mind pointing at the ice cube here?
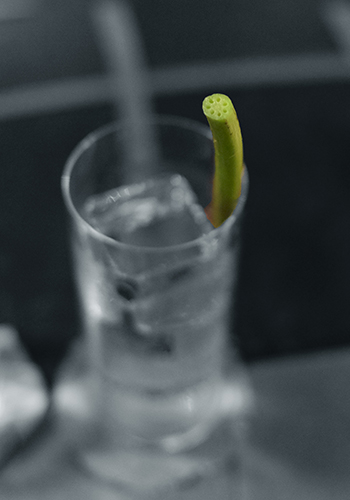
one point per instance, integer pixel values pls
(160, 212)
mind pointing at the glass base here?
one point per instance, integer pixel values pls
(211, 469)
(173, 421)
(204, 463)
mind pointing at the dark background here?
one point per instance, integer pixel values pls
(294, 290)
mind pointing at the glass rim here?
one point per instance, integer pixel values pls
(114, 126)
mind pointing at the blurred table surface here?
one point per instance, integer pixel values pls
(298, 446)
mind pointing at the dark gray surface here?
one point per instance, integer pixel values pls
(298, 445)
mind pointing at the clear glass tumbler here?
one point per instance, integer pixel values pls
(168, 388)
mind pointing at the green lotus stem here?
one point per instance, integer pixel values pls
(228, 145)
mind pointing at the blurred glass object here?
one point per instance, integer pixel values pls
(23, 396)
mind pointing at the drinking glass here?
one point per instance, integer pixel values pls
(168, 388)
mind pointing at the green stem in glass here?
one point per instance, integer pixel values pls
(228, 145)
